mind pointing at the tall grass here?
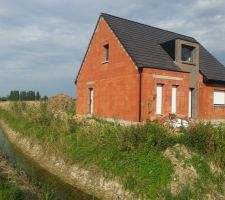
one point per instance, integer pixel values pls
(208, 140)
(133, 155)
(8, 191)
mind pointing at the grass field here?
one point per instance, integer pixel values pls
(149, 160)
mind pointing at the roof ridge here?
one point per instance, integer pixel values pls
(102, 14)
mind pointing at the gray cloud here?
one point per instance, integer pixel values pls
(43, 41)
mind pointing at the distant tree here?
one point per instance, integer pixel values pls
(38, 97)
(44, 98)
(30, 95)
(23, 95)
(3, 98)
(11, 95)
(33, 96)
(14, 95)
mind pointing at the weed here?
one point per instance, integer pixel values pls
(208, 140)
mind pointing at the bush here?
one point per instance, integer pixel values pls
(61, 102)
(149, 135)
(208, 140)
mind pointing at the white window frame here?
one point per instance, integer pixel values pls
(174, 100)
(159, 99)
(219, 98)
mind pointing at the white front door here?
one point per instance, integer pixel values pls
(91, 101)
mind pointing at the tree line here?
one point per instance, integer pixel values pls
(16, 95)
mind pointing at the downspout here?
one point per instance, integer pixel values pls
(140, 92)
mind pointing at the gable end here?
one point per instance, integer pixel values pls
(102, 17)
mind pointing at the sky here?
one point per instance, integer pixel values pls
(42, 42)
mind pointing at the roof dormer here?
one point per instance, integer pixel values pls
(186, 54)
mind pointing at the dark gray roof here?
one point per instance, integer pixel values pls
(144, 44)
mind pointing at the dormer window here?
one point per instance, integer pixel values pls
(106, 55)
(187, 54)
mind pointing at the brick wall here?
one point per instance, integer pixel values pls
(206, 108)
(115, 84)
(150, 79)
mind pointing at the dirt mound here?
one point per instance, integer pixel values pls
(188, 172)
(183, 174)
(60, 102)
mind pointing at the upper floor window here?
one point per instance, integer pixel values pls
(219, 98)
(187, 53)
(106, 56)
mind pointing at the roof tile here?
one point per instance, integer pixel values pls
(143, 44)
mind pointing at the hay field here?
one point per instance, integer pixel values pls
(6, 104)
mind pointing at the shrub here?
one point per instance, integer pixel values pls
(61, 102)
(149, 135)
(208, 140)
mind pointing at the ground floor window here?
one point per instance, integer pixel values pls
(174, 99)
(159, 90)
(219, 97)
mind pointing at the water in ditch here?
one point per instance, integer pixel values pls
(39, 175)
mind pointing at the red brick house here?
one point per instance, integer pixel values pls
(132, 71)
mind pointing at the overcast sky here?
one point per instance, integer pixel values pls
(42, 42)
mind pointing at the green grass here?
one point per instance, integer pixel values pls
(206, 177)
(208, 140)
(132, 155)
(8, 191)
(186, 193)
